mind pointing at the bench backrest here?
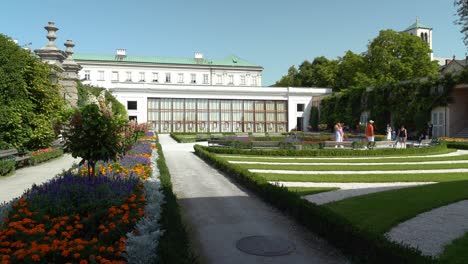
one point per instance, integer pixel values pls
(8, 152)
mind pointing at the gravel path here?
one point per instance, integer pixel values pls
(347, 190)
(14, 185)
(360, 172)
(451, 154)
(432, 231)
(220, 213)
(350, 164)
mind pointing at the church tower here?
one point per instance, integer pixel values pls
(420, 30)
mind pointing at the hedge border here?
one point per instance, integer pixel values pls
(441, 148)
(457, 145)
(174, 245)
(358, 244)
(7, 167)
(36, 159)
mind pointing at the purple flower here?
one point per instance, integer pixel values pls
(131, 161)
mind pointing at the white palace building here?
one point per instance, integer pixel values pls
(185, 94)
(198, 94)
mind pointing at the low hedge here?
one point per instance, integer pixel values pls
(36, 159)
(7, 167)
(182, 137)
(358, 244)
(457, 144)
(174, 244)
(441, 148)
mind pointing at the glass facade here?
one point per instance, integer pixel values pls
(212, 115)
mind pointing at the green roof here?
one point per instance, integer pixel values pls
(232, 60)
(417, 24)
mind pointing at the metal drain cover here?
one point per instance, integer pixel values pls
(268, 246)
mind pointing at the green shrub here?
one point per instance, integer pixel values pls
(359, 244)
(173, 246)
(457, 145)
(441, 148)
(36, 159)
(7, 166)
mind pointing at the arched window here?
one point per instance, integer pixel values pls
(422, 36)
(425, 37)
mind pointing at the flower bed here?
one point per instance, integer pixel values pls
(80, 219)
(42, 155)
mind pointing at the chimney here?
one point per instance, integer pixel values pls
(120, 54)
(198, 57)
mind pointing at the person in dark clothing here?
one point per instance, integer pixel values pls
(429, 130)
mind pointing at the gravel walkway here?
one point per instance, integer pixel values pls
(360, 172)
(14, 185)
(347, 190)
(350, 164)
(430, 232)
(451, 154)
(220, 213)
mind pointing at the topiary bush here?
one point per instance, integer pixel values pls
(7, 167)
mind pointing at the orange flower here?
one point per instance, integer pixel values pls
(83, 261)
(110, 249)
(76, 255)
(35, 257)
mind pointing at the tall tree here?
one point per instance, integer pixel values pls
(462, 12)
(29, 102)
(398, 56)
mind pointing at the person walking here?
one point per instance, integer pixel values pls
(338, 133)
(370, 131)
(389, 132)
(402, 137)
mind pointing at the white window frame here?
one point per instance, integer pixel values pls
(242, 80)
(87, 75)
(193, 78)
(155, 77)
(253, 80)
(180, 78)
(205, 78)
(219, 79)
(142, 77)
(115, 76)
(231, 79)
(100, 75)
(128, 76)
(168, 77)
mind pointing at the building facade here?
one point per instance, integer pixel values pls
(198, 94)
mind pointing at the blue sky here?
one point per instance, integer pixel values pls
(274, 34)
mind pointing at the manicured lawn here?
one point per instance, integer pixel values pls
(437, 177)
(379, 212)
(343, 159)
(310, 190)
(456, 252)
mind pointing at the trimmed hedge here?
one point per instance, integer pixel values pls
(7, 166)
(180, 137)
(360, 245)
(39, 158)
(173, 246)
(441, 148)
(457, 145)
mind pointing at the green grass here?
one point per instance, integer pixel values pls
(379, 212)
(456, 252)
(343, 159)
(353, 168)
(437, 177)
(301, 191)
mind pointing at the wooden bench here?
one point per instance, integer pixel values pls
(13, 154)
(218, 142)
(384, 144)
(334, 144)
(216, 136)
(425, 143)
(265, 144)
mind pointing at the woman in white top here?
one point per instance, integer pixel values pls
(389, 132)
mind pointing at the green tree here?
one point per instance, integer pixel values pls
(397, 56)
(93, 135)
(462, 12)
(30, 103)
(86, 91)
